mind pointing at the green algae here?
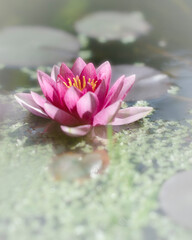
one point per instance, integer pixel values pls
(84, 40)
(2, 66)
(33, 72)
(85, 54)
(173, 90)
(119, 204)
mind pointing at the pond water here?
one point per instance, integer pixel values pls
(53, 186)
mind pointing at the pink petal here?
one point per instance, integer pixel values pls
(114, 92)
(41, 76)
(66, 72)
(26, 100)
(59, 115)
(88, 87)
(55, 72)
(128, 83)
(47, 84)
(131, 114)
(89, 72)
(51, 93)
(87, 106)
(104, 73)
(38, 99)
(71, 97)
(76, 131)
(107, 114)
(78, 66)
(101, 93)
(61, 90)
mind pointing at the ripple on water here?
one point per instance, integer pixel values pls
(77, 166)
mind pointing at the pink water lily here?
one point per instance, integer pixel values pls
(80, 99)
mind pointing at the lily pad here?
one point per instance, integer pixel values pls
(176, 198)
(32, 46)
(150, 83)
(111, 25)
(171, 108)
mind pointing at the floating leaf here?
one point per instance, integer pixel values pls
(111, 25)
(176, 198)
(150, 83)
(33, 46)
(171, 108)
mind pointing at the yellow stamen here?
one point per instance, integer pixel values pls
(92, 82)
(75, 82)
(66, 85)
(70, 83)
(93, 86)
(79, 81)
(84, 82)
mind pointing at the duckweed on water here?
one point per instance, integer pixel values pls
(33, 73)
(119, 204)
(173, 90)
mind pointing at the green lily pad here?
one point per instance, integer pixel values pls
(111, 25)
(32, 46)
(150, 83)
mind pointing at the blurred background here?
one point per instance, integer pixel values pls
(151, 32)
(170, 19)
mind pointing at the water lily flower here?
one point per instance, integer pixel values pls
(80, 99)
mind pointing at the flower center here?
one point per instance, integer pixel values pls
(81, 85)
